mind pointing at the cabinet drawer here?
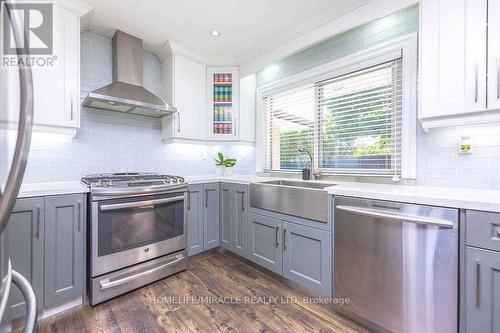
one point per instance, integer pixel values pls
(483, 230)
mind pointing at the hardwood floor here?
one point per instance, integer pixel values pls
(213, 295)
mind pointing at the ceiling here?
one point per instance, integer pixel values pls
(247, 28)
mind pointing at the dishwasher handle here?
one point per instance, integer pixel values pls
(397, 217)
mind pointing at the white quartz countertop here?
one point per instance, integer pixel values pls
(486, 200)
(51, 188)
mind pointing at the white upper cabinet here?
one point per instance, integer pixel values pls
(56, 84)
(453, 61)
(247, 108)
(494, 54)
(184, 87)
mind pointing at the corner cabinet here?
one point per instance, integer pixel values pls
(459, 62)
(45, 243)
(56, 84)
(233, 217)
(223, 103)
(184, 87)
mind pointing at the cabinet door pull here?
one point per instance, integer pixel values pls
(71, 108)
(79, 216)
(189, 199)
(284, 239)
(498, 78)
(476, 82)
(277, 229)
(38, 222)
(478, 283)
(178, 122)
(206, 197)
(243, 201)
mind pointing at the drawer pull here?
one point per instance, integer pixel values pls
(478, 283)
(38, 222)
(277, 230)
(284, 239)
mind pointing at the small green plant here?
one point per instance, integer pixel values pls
(225, 162)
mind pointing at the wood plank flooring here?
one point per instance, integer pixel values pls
(213, 295)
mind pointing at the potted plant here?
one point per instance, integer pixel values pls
(224, 165)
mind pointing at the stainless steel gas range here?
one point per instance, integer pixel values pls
(137, 231)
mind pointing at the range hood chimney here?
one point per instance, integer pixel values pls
(126, 93)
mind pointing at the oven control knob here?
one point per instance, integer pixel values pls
(174, 180)
(181, 180)
(146, 249)
(110, 183)
(168, 180)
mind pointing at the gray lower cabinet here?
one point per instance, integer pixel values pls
(64, 252)
(482, 290)
(264, 242)
(24, 244)
(195, 219)
(226, 216)
(211, 216)
(45, 242)
(233, 217)
(299, 253)
(307, 257)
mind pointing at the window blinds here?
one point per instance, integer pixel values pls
(290, 124)
(352, 123)
(359, 116)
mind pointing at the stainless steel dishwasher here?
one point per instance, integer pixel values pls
(397, 264)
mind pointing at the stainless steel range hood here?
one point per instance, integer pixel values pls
(126, 93)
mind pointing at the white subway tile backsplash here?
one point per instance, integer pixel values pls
(439, 162)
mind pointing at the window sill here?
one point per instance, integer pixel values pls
(345, 177)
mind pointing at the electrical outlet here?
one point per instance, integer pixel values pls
(465, 145)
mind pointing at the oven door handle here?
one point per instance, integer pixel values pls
(141, 203)
(106, 284)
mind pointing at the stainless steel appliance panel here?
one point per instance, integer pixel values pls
(128, 231)
(397, 264)
(117, 283)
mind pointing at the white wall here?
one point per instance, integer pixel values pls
(111, 141)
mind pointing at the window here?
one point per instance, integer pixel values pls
(353, 123)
